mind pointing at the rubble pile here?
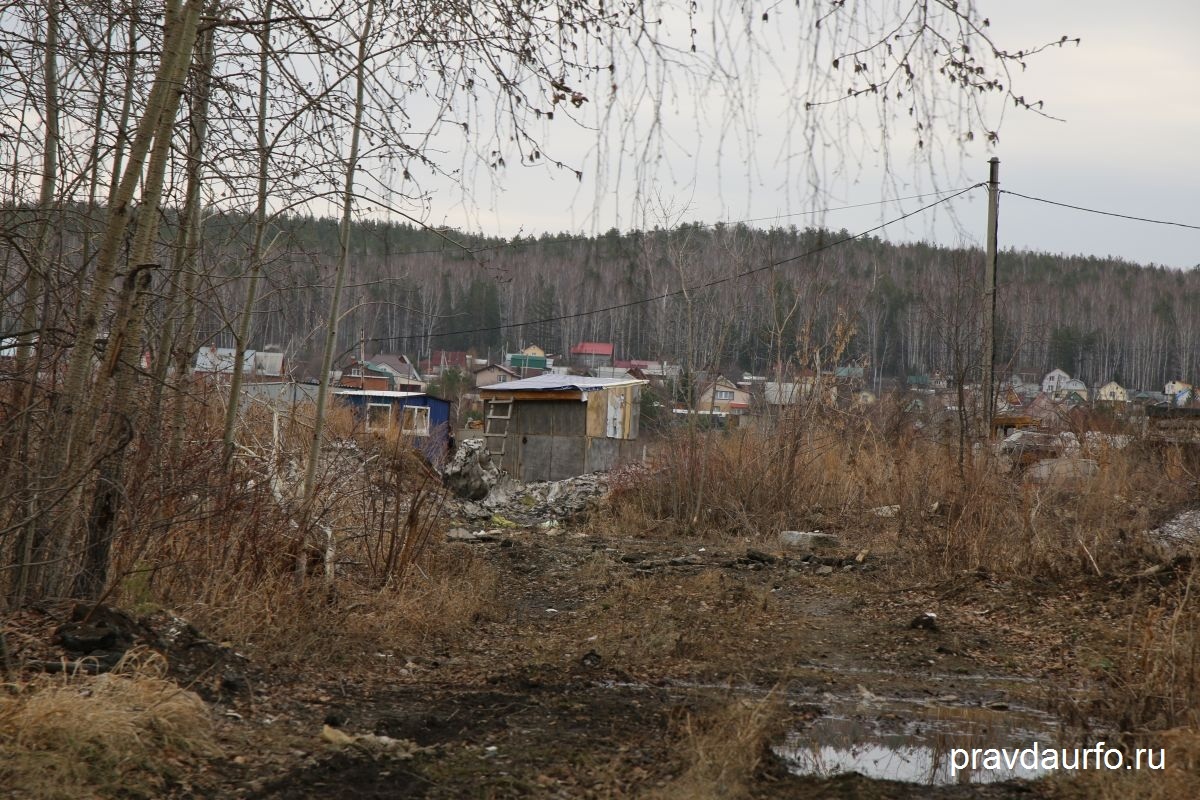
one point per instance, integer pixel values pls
(483, 492)
(471, 472)
(531, 504)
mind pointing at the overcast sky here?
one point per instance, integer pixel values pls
(1129, 96)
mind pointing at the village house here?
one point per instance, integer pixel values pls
(850, 375)
(1112, 392)
(724, 396)
(1074, 386)
(529, 364)
(494, 373)
(1179, 392)
(557, 426)
(592, 354)
(1052, 384)
(440, 361)
(257, 365)
(364, 375)
(657, 372)
(405, 377)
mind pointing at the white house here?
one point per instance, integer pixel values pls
(1054, 382)
(1075, 386)
(1173, 388)
(1112, 392)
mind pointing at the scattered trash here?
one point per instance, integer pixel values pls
(396, 748)
(925, 622)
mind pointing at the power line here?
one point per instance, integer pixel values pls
(588, 237)
(1105, 213)
(684, 290)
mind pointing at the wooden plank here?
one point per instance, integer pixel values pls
(597, 414)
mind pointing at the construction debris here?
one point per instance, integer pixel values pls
(514, 504)
(471, 473)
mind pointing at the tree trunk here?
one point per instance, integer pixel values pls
(314, 452)
(256, 247)
(71, 454)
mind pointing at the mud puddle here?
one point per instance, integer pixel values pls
(916, 743)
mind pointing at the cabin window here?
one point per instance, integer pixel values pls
(724, 395)
(415, 421)
(379, 416)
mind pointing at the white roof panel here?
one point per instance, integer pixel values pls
(561, 383)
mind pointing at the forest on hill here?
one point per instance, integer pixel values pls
(709, 297)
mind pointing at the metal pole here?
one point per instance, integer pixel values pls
(989, 296)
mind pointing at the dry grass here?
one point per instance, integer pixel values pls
(1179, 779)
(963, 512)
(448, 591)
(722, 749)
(653, 621)
(1150, 681)
(958, 510)
(124, 733)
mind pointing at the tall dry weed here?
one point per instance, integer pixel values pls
(957, 507)
(234, 548)
(722, 749)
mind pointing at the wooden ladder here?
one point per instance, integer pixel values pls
(496, 423)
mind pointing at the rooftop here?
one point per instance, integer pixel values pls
(561, 383)
(592, 349)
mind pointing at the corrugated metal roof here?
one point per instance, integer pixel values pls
(561, 383)
(376, 393)
(592, 349)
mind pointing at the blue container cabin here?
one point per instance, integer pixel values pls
(422, 416)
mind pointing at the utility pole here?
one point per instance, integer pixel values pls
(989, 297)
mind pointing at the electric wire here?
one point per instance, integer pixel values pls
(1098, 211)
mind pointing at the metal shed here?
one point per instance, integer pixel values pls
(552, 427)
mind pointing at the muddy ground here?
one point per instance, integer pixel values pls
(602, 661)
(604, 655)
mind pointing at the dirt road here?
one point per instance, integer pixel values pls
(632, 667)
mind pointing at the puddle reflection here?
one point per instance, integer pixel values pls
(917, 751)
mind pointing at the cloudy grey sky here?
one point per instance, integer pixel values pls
(1129, 96)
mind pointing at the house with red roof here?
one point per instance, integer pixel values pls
(593, 354)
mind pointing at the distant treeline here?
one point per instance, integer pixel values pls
(899, 309)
